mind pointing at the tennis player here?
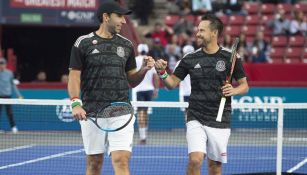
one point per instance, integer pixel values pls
(208, 67)
(102, 65)
(145, 91)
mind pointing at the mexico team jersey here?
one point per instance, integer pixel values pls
(103, 64)
(208, 74)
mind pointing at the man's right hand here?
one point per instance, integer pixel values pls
(160, 65)
(79, 113)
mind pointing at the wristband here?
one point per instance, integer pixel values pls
(75, 102)
(162, 72)
(163, 75)
(72, 98)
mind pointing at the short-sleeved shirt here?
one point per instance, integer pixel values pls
(208, 74)
(7, 85)
(104, 64)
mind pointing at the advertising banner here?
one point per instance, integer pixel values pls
(49, 12)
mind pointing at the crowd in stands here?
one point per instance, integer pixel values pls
(269, 31)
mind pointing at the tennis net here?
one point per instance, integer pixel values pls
(266, 138)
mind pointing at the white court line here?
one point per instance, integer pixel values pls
(297, 166)
(41, 159)
(16, 148)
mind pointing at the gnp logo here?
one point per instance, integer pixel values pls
(257, 114)
(64, 113)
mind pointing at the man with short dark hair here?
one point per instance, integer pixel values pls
(7, 87)
(102, 66)
(208, 67)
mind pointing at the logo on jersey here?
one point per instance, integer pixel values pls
(94, 41)
(197, 66)
(120, 51)
(220, 66)
(64, 113)
(95, 51)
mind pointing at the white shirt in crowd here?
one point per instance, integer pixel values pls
(147, 83)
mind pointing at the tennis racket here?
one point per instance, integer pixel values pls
(233, 59)
(114, 117)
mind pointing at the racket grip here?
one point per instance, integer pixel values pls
(221, 109)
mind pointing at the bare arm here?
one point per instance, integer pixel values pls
(156, 83)
(241, 89)
(136, 77)
(15, 89)
(171, 81)
(74, 82)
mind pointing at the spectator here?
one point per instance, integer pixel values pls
(172, 7)
(260, 49)
(243, 47)
(157, 50)
(298, 25)
(185, 6)
(141, 12)
(174, 43)
(41, 77)
(64, 78)
(7, 86)
(183, 25)
(279, 24)
(161, 32)
(227, 41)
(173, 52)
(173, 57)
(145, 91)
(200, 7)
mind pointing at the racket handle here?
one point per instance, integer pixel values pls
(221, 109)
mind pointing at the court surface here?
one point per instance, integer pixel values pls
(50, 154)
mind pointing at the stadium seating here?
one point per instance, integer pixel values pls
(293, 54)
(265, 19)
(233, 30)
(252, 20)
(296, 41)
(250, 30)
(285, 48)
(267, 8)
(277, 54)
(170, 20)
(305, 55)
(286, 7)
(251, 8)
(279, 41)
(236, 20)
(300, 6)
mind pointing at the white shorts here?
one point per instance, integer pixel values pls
(211, 141)
(96, 141)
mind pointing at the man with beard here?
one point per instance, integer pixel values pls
(207, 67)
(102, 65)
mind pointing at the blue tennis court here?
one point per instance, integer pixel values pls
(146, 160)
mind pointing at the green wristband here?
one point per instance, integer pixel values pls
(75, 102)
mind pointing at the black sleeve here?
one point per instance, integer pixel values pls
(181, 70)
(76, 58)
(238, 71)
(131, 63)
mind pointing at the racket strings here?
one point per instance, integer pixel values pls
(116, 111)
